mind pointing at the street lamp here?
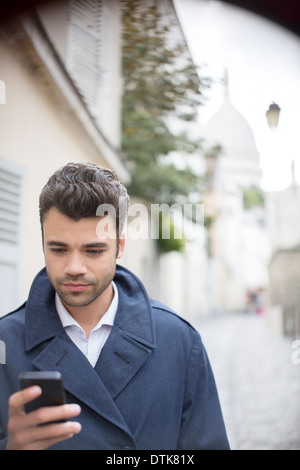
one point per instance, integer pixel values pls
(273, 115)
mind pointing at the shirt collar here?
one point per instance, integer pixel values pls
(107, 319)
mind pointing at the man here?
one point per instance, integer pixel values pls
(136, 375)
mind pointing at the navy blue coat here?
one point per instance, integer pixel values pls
(152, 387)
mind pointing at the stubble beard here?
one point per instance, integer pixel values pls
(84, 298)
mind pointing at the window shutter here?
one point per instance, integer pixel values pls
(84, 48)
(10, 195)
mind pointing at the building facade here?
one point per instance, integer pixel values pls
(284, 269)
(47, 118)
(60, 102)
(239, 241)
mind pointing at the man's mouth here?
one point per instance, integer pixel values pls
(75, 287)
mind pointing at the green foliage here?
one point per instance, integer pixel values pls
(158, 77)
(253, 197)
(168, 241)
(159, 81)
(162, 184)
(209, 221)
(214, 151)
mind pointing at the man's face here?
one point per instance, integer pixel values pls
(79, 264)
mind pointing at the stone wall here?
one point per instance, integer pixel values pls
(284, 272)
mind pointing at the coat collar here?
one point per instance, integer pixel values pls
(129, 345)
(134, 316)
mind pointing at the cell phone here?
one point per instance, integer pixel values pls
(51, 383)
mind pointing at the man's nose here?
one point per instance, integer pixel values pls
(75, 264)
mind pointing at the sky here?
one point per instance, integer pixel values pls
(263, 64)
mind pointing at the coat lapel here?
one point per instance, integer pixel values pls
(129, 345)
(132, 338)
(79, 377)
(120, 360)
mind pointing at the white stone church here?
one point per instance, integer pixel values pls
(239, 238)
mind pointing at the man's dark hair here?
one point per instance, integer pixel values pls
(78, 189)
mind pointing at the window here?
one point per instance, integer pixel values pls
(11, 201)
(84, 49)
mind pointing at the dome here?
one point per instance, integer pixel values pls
(231, 130)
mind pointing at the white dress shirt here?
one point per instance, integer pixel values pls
(92, 346)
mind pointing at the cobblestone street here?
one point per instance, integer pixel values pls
(259, 386)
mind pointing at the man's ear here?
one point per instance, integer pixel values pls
(122, 244)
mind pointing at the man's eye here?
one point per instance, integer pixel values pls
(57, 250)
(95, 252)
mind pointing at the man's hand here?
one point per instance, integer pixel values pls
(24, 432)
